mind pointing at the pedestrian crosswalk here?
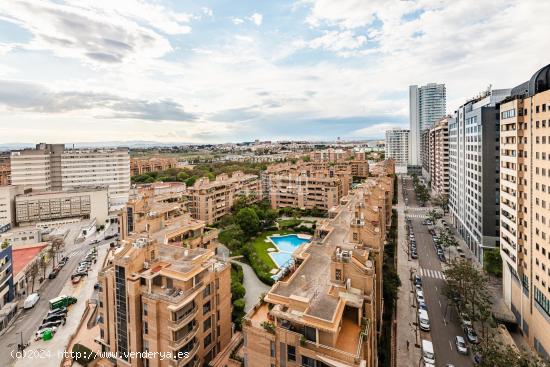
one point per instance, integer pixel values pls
(431, 273)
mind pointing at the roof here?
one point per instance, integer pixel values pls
(21, 257)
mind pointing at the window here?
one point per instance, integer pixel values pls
(308, 362)
(206, 308)
(206, 291)
(145, 309)
(208, 340)
(291, 353)
(145, 328)
(207, 324)
(272, 348)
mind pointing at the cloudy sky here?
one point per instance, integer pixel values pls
(234, 70)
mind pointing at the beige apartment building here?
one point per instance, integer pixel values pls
(210, 200)
(326, 310)
(525, 207)
(5, 170)
(87, 202)
(163, 217)
(438, 156)
(164, 290)
(165, 299)
(140, 166)
(297, 186)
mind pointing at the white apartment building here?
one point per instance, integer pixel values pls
(55, 167)
(7, 206)
(474, 171)
(398, 148)
(427, 104)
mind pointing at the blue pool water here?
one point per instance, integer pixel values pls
(286, 246)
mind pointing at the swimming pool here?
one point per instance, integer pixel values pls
(286, 245)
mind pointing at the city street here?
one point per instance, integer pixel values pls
(444, 323)
(27, 321)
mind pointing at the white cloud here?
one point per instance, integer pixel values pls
(92, 35)
(207, 11)
(337, 41)
(256, 18)
(237, 21)
(376, 130)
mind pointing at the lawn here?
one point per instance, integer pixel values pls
(286, 223)
(260, 246)
(259, 258)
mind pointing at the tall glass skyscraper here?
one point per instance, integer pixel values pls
(427, 104)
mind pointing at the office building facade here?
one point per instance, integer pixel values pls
(474, 171)
(427, 104)
(525, 207)
(54, 167)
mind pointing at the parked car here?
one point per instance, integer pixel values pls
(76, 280)
(418, 280)
(471, 335)
(52, 324)
(31, 300)
(57, 317)
(465, 320)
(461, 345)
(423, 320)
(58, 311)
(414, 254)
(423, 306)
(420, 296)
(54, 272)
(442, 258)
(40, 333)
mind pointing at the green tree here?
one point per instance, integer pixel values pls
(442, 201)
(190, 181)
(248, 220)
(492, 262)
(434, 215)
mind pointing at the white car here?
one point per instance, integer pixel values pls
(420, 296)
(461, 345)
(31, 300)
(40, 333)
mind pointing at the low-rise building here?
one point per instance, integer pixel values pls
(140, 166)
(210, 200)
(46, 206)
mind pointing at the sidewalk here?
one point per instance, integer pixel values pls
(406, 312)
(52, 350)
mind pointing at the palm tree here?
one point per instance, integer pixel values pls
(32, 273)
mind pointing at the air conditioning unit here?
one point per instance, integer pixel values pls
(145, 265)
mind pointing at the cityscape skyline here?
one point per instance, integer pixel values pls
(295, 69)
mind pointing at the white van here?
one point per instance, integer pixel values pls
(31, 300)
(428, 352)
(423, 320)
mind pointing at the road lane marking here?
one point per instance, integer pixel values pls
(439, 304)
(451, 345)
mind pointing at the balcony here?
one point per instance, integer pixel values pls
(177, 344)
(177, 324)
(173, 296)
(183, 361)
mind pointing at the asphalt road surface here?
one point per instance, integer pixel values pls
(28, 321)
(444, 323)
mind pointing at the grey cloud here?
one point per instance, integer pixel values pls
(35, 98)
(99, 39)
